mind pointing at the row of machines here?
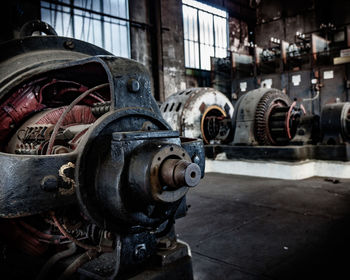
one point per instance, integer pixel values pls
(264, 124)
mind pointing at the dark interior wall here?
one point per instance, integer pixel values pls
(282, 19)
(240, 9)
(173, 46)
(336, 11)
(160, 47)
(14, 13)
(141, 35)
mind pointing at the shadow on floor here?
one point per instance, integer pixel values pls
(252, 228)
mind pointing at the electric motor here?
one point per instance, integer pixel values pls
(267, 117)
(200, 113)
(92, 177)
(259, 114)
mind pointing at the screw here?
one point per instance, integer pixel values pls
(49, 183)
(133, 85)
(140, 252)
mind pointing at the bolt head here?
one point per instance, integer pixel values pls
(140, 252)
(133, 85)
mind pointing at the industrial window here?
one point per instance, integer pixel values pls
(101, 22)
(205, 33)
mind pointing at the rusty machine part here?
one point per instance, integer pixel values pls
(200, 113)
(92, 177)
(266, 117)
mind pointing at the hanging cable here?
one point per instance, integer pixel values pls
(67, 110)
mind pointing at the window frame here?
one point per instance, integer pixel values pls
(93, 15)
(200, 43)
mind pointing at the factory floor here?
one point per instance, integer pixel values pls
(254, 228)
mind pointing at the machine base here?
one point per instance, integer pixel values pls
(168, 264)
(283, 153)
(181, 269)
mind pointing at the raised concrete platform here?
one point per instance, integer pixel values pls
(279, 169)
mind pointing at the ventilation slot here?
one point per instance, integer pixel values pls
(166, 107)
(178, 107)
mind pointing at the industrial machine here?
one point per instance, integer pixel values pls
(92, 177)
(267, 124)
(200, 113)
(265, 117)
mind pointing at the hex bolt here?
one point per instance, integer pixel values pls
(133, 85)
(49, 183)
(140, 252)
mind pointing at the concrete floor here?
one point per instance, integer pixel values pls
(252, 228)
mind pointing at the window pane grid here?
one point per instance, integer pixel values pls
(205, 34)
(82, 21)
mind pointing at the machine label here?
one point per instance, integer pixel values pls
(328, 74)
(296, 79)
(266, 83)
(243, 86)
